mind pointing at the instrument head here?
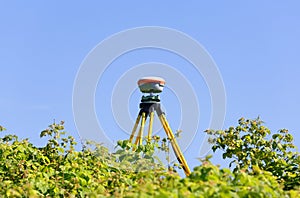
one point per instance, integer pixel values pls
(151, 84)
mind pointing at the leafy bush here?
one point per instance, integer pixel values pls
(58, 170)
(252, 148)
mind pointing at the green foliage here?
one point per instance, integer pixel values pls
(58, 170)
(208, 180)
(252, 148)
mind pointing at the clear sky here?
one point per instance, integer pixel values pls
(254, 44)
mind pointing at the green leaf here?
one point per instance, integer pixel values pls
(2, 128)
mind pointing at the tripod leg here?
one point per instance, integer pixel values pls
(150, 126)
(135, 127)
(139, 139)
(174, 144)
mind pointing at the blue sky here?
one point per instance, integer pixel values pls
(254, 44)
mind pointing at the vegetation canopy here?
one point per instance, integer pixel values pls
(263, 165)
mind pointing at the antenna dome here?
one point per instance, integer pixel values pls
(151, 84)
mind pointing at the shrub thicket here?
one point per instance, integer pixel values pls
(264, 168)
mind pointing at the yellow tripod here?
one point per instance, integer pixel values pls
(148, 105)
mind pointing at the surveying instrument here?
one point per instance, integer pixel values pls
(150, 104)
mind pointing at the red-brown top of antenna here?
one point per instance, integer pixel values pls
(151, 79)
